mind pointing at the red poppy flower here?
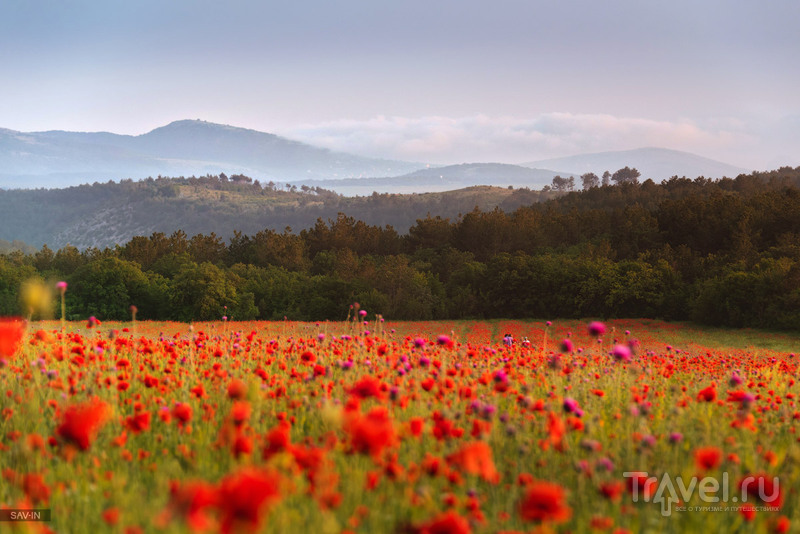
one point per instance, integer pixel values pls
(81, 422)
(242, 445)
(191, 501)
(763, 488)
(475, 459)
(544, 501)
(428, 383)
(640, 484)
(237, 389)
(35, 489)
(240, 413)
(111, 516)
(556, 429)
(367, 387)
(309, 459)
(612, 490)
(748, 512)
(707, 457)
(373, 432)
(138, 423)
(416, 425)
(446, 523)
(245, 496)
(781, 525)
(278, 440)
(11, 331)
(708, 394)
(601, 523)
(182, 412)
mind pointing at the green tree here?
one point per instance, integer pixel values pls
(201, 292)
(589, 180)
(562, 184)
(106, 288)
(206, 248)
(12, 276)
(626, 175)
(430, 232)
(67, 260)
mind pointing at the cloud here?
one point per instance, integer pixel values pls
(476, 138)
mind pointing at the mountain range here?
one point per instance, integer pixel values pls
(181, 148)
(655, 163)
(56, 159)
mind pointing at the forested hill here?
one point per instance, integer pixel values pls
(105, 214)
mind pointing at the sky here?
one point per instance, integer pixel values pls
(439, 81)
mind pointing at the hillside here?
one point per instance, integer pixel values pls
(655, 163)
(182, 148)
(106, 214)
(443, 179)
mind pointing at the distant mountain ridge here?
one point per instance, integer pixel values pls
(655, 163)
(186, 147)
(436, 179)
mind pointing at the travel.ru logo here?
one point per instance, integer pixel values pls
(669, 493)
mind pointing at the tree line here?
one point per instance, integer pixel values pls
(721, 252)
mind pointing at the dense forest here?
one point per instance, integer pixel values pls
(721, 252)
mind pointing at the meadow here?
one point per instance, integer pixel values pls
(371, 426)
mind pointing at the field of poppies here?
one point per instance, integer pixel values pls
(371, 426)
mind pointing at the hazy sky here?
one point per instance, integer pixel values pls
(433, 80)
